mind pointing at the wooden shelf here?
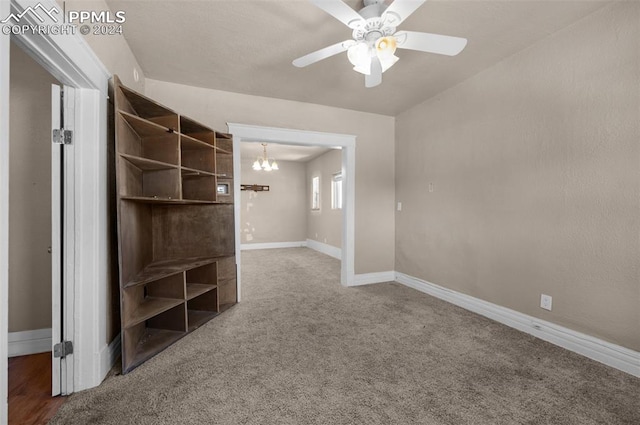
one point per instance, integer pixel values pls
(143, 127)
(151, 307)
(224, 143)
(192, 172)
(197, 318)
(226, 306)
(223, 151)
(146, 164)
(189, 143)
(144, 107)
(195, 130)
(175, 238)
(152, 342)
(197, 289)
(165, 201)
(160, 269)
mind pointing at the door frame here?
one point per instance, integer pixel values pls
(70, 59)
(4, 217)
(273, 135)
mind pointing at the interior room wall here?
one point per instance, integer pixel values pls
(113, 50)
(536, 180)
(278, 215)
(375, 190)
(325, 225)
(29, 194)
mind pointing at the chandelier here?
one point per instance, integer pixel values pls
(263, 163)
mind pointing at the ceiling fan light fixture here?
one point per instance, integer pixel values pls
(388, 61)
(360, 57)
(386, 47)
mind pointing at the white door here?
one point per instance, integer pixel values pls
(62, 102)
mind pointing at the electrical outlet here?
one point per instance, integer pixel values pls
(546, 301)
(430, 187)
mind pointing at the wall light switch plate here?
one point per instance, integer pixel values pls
(546, 301)
(399, 206)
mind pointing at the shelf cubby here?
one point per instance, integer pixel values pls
(197, 131)
(146, 301)
(146, 178)
(142, 138)
(201, 279)
(224, 164)
(198, 186)
(202, 308)
(137, 104)
(225, 190)
(197, 155)
(224, 142)
(147, 338)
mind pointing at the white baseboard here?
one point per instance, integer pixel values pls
(272, 245)
(602, 351)
(329, 250)
(108, 356)
(29, 342)
(370, 278)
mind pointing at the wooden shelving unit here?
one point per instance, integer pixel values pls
(174, 184)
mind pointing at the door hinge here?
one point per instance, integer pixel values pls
(62, 137)
(63, 349)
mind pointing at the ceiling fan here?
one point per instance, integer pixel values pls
(372, 49)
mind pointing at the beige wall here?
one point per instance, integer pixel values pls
(113, 50)
(29, 194)
(375, 191)
(536, 173)
(324, 225)
(278, 215)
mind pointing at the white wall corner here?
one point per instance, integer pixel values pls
(329, 250)
(29, 342)
(272, 245)
(596, 349)
(108, 356)
(371, 278)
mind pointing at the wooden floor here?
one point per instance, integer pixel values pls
(30, 400)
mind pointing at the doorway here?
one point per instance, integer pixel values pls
(347, 143)
(294, 198)
(35, 203)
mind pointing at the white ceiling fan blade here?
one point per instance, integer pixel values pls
(341, 11)
(431, 43)
(400, 10)
(318, 55)
(375, 78)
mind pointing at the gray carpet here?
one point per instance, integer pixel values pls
(300, 349)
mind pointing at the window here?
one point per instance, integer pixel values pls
(336, 191)
(315, 193)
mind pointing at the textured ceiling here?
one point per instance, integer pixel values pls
(247, 46)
